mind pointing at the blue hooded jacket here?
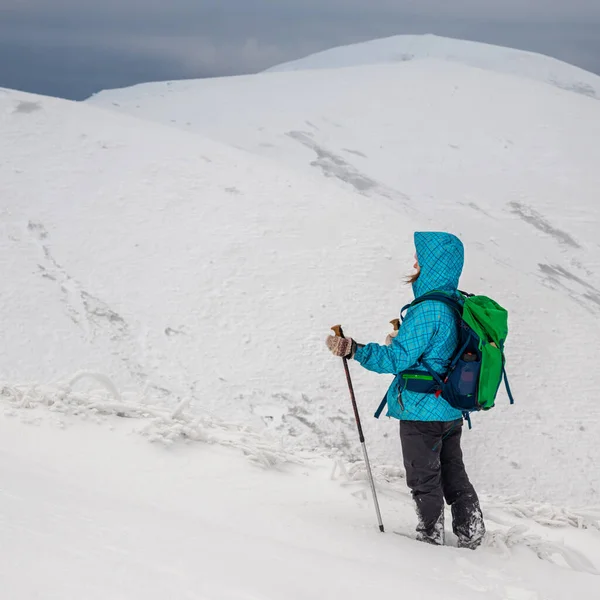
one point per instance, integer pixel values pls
(429, 331)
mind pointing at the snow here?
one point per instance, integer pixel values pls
(507, 163)
(173, 255)
(402, 48)
(90, 509)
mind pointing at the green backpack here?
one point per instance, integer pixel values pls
(478, 366)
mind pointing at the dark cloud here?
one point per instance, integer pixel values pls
(72, 48)
(77, 74)
(535, 10)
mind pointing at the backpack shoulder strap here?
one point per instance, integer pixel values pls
(436, 296)
(404, 309)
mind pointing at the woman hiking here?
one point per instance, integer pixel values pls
(430, 429)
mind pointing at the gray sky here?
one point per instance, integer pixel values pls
(72, 48)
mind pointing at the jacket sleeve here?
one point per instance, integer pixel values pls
(420, 325)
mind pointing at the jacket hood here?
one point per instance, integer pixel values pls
(441, 257)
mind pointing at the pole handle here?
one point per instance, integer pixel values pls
(337, 329)
(395, 324)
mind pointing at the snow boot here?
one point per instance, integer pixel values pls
(467, 521)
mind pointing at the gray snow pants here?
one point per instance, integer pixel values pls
(434, 471)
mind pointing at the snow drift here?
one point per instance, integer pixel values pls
(90, 511)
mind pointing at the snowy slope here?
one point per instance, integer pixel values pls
(402, 48)
(166, 261)
(187, 269)
(88, 509)
(507, 163)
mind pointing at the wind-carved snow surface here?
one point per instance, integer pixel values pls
(107, 516)
(157, 423)
(404, 48)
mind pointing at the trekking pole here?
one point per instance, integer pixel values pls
(337, 329)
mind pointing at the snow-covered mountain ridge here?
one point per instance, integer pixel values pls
(402, 48)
